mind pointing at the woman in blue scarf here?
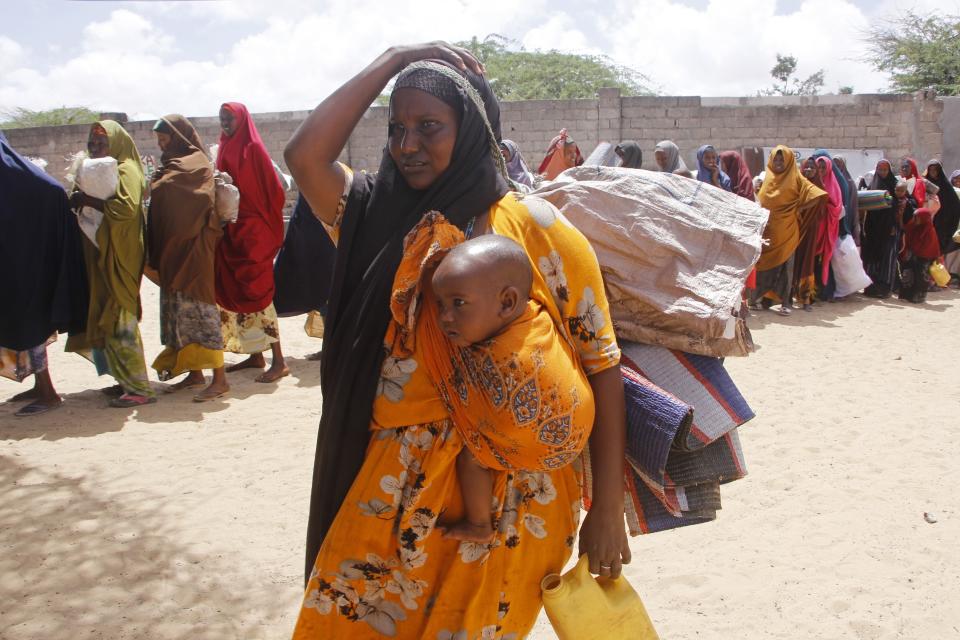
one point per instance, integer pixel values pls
(708, 168)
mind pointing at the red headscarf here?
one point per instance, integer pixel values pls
(554, 163)
(830, 226)
(921, 237)
(919, 186)
(734, 166)
(246, 252)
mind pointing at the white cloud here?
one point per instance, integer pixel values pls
(11, 54)
(292, 53)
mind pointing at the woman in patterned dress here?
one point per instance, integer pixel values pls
(384, 476)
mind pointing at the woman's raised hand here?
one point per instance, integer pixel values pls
(438, 50)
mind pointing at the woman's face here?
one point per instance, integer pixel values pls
(779, 164)
(661, 157)
(822, 168)
(883, 170)
(956, 182)
(710, 159)
(905, 169)
(808, 169)
(934, 171)
(505, 152)
(98, 145)
(570, 154)
(422, 134)
(228, 122)
(163, 140)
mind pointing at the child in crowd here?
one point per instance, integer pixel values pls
(515, 392)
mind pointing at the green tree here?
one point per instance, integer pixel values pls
(518, 74)
(918, 51)
(787, 85)
(20, 118)
(846, 90)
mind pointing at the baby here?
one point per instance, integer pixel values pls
(530, 406)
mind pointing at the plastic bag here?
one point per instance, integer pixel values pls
(848, 268)
(226, 197)
(97, 177)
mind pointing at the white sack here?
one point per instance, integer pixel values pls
(674, 252)
(848, 268)
(97, 177)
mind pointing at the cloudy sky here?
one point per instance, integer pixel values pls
(149, 58)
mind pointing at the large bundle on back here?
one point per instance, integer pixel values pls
(674, 253)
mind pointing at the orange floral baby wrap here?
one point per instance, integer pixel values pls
(519, 400)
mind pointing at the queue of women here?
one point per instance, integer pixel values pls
(385, 483)
(905, 236)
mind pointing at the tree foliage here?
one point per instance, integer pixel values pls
(20, 118)
(918, 51)
(786, 84)
(518, 74)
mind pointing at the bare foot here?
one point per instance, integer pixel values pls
(193, 381)
(214, 391)
(274, 373)
(469, 531)
(29, 394)
(255, 361)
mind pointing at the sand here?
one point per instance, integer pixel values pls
(181, 520)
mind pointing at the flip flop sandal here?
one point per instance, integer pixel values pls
(129, 400)
(190, 387)
(35, 409)
(207, 398)
(784, 311)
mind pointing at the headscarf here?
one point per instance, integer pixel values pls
(736, 167)
(789, 196)
(888, 184)
(830, 227)
(245, 254)
(44, 287)
(368, 254)
(674, 162)
(954, 175)
(920, 235)
(919, 187)
(948, 217)
(516, 167)
(703, 173)
(632, 154)
(841, 181)
(555, 163)
(851, 202)
(183, 228)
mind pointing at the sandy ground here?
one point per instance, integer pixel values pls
(181, 520)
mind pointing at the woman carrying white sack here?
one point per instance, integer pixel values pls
(114, 269)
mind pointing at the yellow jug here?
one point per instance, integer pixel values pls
(581, 607)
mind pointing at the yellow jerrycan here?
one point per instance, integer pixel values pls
(581, 607)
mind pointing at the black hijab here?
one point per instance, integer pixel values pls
(632, 154)
(44, 287)
(369, 250)
(948, 218)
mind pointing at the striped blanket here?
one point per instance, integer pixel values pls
(683, 412)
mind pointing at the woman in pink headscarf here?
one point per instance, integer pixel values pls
(829, 228)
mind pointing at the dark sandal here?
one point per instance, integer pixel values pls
(35, 409)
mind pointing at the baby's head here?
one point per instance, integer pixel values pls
(481, 286)
(901, 189)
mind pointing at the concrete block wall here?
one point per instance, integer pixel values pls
(900, 125)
